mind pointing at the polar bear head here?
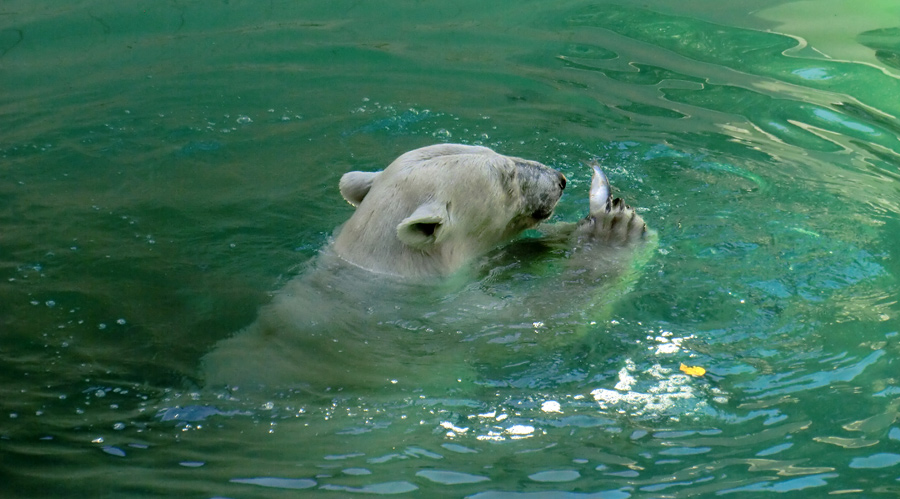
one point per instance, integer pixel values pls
(435, 209)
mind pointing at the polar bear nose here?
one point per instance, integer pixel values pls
(542, 214)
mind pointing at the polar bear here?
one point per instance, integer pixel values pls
(436, 208)
(381, 305)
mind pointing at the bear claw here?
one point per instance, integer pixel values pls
(610, 219)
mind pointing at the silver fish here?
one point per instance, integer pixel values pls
(601, 196)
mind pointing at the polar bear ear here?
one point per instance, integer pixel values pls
(355, 185)
(424, 227)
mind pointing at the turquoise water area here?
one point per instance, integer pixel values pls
(165, 167)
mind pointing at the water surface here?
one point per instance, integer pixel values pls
(166, 167)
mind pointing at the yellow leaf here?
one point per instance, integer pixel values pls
(693, 370)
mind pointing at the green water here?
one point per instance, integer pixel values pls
(166, 166)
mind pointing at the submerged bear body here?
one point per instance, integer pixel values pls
(386, 302)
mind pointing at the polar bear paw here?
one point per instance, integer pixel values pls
(610, 221)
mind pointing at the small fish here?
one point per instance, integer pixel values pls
(601, 196)
(610, 219)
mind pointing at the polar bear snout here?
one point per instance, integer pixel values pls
(541, 187)
(542, 214)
